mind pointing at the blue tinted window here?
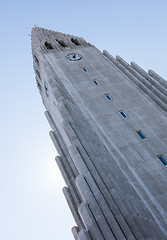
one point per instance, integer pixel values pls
(84, 69)
(46, 89)
(108, 96)
(162, 159)
(95, 82)
(141, 134)
(123, 114)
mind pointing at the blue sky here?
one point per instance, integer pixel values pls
(32, 205)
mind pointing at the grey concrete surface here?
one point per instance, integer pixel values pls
(116, 185)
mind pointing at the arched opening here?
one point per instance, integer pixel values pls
(48, 45)
(75, 41)
(62, 43)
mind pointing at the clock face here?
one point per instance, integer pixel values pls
(74, 57)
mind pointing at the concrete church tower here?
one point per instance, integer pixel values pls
(109, 126)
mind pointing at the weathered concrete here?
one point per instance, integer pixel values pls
(117, 186)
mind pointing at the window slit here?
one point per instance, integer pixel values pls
(162, 159)
(95, 82)
(108, 96)
(123, 114)
(84, 69)
(141, 134)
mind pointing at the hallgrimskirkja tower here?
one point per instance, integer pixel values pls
(109, 126)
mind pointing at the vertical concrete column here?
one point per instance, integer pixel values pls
(94, 207)
(75, 232)
(84, 235)
(72, 207)
(90, 222)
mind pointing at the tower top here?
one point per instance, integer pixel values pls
(44, 39)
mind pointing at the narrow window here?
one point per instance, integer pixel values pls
(48, 45)
(36, 60)
(95, 82)
(139, 132)
(123, 114)
(84, 69)
(162, 159)
(107, 95)
(62, 43)
(46, 89)
(75, 41)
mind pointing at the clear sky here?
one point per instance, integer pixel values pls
(32, 205)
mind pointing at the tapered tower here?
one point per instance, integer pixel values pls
(109, 126)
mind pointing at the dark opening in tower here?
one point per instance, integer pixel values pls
(62, 43)
(75, 41)
(48, 45)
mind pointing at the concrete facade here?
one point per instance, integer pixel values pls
(109, 126)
